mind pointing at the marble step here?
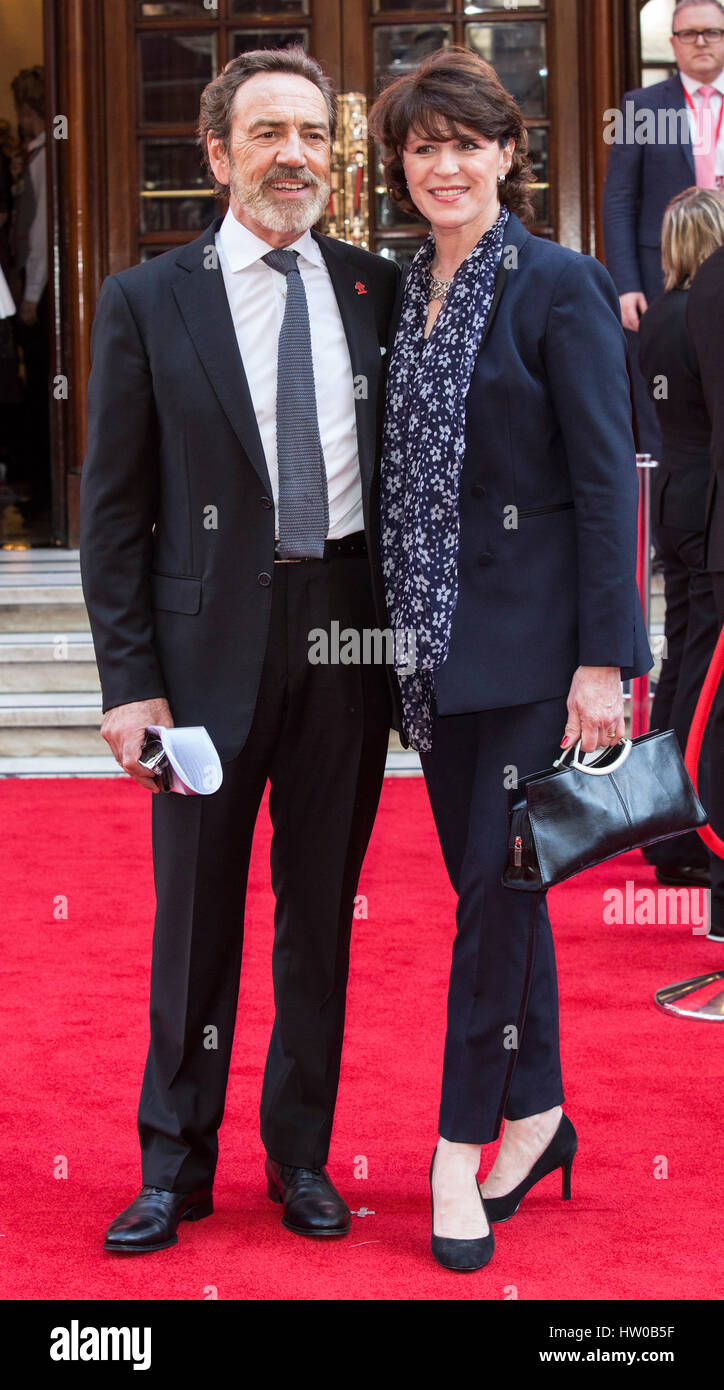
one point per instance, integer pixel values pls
(40, 591)
(41, 555)
(80, 765)
(24, 575)
(59, 611)
(46, 741)
(38, 661)
(399, 764)
(50, 723)
(52, 676)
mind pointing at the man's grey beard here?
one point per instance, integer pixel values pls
(275, 214)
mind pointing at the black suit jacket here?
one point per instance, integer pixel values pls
(666, 354)
(177, 526)
(705, 317)
(548, 433)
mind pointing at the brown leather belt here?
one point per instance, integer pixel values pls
(355, 544)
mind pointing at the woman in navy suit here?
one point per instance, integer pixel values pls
(508, 499)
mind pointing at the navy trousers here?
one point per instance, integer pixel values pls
(502, 1057)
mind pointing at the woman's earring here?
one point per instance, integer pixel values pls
(501, 178)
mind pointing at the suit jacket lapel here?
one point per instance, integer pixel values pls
(354, 297)
(201, 297)
(397, 310)
(678, 102)
(515, 237)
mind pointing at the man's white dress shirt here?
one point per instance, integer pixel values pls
(257, 295)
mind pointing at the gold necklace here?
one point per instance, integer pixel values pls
(438, 288)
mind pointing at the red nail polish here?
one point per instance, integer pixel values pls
(565, 742)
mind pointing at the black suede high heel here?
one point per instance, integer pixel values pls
(559, 1154)
(462, 1255)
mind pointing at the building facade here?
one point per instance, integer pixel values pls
(126, 180)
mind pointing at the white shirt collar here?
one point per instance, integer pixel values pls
(36, 142)
(692, 84)
(242, 247)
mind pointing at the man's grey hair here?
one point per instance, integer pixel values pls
(217, 99)
(687, 5)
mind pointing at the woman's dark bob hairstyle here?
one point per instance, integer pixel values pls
(450, 92)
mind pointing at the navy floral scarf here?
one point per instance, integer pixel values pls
(423, 446)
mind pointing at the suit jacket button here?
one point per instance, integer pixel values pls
(265, 580)
(486, 558)
(266, 502)
(478, 490)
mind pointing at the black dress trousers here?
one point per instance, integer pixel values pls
(502, 1056)
(691, 631)
(319, 735)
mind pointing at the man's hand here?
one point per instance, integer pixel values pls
(123, 729)
(28, 313)
(595, 708)
(633, 306)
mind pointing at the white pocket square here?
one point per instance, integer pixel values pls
(383, 350)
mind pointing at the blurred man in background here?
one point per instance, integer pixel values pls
(29, 248)
(679, 145)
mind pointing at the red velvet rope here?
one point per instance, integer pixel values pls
(696, 735)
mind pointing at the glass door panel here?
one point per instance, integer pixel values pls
(180, 46)
(398, 48)
(175, 193)
(173, 70)
(518, 54)
(512, 37)
(244, 40)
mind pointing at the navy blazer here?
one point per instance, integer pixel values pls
(642, 179)
(549, 492)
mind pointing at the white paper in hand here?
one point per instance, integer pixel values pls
(195, 763)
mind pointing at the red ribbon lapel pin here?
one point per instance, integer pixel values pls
(360, 288)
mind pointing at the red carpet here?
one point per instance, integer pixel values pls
(641, 1088)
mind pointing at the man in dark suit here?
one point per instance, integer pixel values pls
(227, 512)
(29, 285)
(705, 314)
(656, 152)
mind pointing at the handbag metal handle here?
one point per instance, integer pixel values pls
(626, 746)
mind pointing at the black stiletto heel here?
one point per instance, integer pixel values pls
(462, 1255)
(560, 1153)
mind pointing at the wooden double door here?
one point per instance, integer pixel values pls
(126, 174)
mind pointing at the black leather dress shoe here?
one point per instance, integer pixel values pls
(151, 1220)
(312, 1205)
(683, 875)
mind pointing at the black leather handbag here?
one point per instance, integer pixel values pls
(573, 816)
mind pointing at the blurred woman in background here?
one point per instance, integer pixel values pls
(693, 229)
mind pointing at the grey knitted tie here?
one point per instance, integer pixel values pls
(303, 504)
